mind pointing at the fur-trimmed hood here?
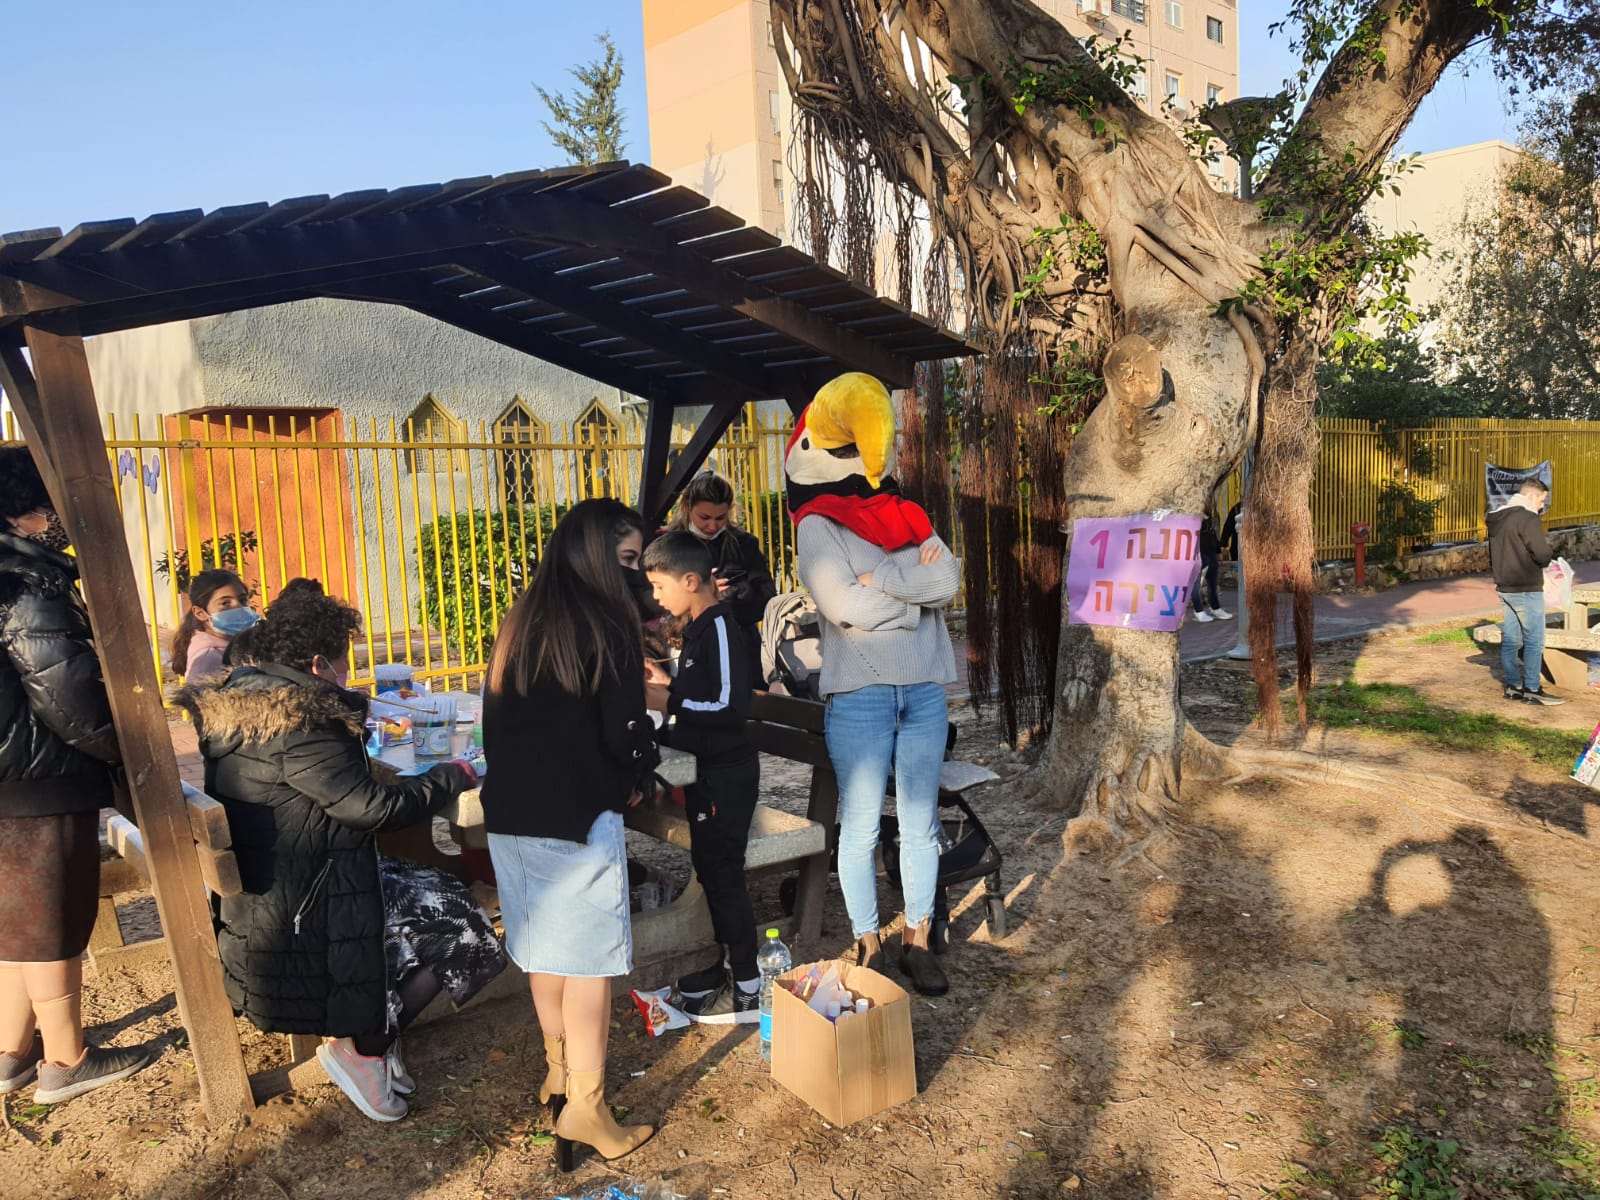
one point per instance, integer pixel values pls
(256, 704)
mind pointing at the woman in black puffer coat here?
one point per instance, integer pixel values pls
(329, 937)
(57, 751)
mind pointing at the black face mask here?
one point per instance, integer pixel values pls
(644, 596)
(53, 536)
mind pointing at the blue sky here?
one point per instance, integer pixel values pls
(135, 108)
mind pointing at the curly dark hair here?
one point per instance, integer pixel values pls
(22, 491)
(302, 624)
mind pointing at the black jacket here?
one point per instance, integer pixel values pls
(738, 558)
(57, 744)
(711, 696)
(1518, 550)
(557, 761)
(302, 948)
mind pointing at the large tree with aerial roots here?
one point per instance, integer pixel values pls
(1143, 329)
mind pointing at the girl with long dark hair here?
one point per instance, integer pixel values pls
(565, 726)
(219, 611)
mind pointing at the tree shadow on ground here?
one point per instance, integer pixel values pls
(1565, 804)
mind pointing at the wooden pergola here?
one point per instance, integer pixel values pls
(608, 271)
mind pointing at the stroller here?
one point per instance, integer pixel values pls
(791, 656)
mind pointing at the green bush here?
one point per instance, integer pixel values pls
(483, 551)
(1404, 520)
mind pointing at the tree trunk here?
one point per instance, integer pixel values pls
(1174, 421)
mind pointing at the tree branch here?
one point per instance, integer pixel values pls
(1369, 93)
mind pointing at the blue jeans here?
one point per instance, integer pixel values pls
(869, 732)
(1521, 629)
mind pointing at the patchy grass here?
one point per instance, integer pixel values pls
(1396, 709)
(1442, 637)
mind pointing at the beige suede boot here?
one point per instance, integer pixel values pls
(555, 1061)
(587, 1119)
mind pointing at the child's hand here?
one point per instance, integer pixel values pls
(655, 673)
(930, 553)
(865, 580)
(655, 697)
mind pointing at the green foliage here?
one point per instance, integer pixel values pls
(214, 552)
(1395, 384)
(1521, 325)
(1396, 709)
(1403, 520)
(588, 126)
(1417, 1166)
(473, 567)
(1071, 242)
(1088, 88)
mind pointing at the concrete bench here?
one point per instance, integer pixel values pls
(1566, 652)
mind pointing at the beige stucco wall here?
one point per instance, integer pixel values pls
(1434, 196)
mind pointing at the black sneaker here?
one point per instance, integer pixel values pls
(702, 983)
(1543, 698)
(729, 1004)
(1513, 692)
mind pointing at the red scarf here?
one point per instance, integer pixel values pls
(885, 520)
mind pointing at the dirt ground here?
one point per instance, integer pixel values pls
(1348, 965)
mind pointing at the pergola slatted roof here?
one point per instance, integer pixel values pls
(609, 271)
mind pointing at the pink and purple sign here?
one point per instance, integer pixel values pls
(1132, 572)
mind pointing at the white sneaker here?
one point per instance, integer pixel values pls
(1204, 618)
(1222, 614)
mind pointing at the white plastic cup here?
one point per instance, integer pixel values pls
(433, 722)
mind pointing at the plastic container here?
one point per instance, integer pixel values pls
(433, 724)
(772, 960)
(394, 677)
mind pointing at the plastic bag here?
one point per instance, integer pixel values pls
(1558, 586)
(659, 1016)
(631, 1189)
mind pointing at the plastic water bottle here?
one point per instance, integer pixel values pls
(772, 960)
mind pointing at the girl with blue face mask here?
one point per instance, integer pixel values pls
(219, 611)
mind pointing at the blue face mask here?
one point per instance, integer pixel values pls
(231, 622)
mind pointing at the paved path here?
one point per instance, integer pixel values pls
(1432, 602)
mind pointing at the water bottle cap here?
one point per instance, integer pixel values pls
(772, 933)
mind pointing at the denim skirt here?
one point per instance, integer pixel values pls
(565, 904)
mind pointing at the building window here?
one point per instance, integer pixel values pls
(1214, 30)
(772, 109)
(1213, 94)
(518, 426)
(1138, 86)
(431, 421)
(777, 178)
(598, 428)
(1174, 88)
(1132, 9)
(1174, 14)
(772, 40)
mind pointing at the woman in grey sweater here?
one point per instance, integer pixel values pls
(880, 579)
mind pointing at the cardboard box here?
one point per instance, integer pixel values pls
(852, 1068)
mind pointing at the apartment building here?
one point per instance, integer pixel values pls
(719, 111)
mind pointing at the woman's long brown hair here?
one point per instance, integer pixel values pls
(577, 621)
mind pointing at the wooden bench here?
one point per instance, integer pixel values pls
(1566, 650)
(792, 728)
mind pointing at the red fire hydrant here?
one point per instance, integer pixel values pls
(1359, 533)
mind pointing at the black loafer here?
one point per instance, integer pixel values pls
(871, 959)
(922, 968)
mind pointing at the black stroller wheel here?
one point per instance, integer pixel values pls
(939, 935)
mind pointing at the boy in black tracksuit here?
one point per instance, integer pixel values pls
(710, 700)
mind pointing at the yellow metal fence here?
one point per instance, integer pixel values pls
(431, 531)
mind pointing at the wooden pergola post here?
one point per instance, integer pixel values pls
(56, 407)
